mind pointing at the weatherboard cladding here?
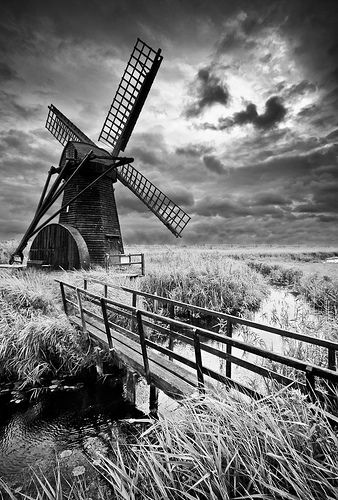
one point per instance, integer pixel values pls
(94, 214)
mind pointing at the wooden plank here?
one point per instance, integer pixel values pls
(130, 353)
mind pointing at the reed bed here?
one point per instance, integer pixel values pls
(36, 339)
(281, 447)
(205, 280)
(6, 249)
(321, 292)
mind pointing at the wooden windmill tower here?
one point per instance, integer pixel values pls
(88, 229)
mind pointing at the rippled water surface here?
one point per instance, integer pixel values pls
(62, 425)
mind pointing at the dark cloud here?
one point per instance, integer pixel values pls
(269, 198)
(273, 114)
(145, 155)
(301, 88)
(10, 105)
(209, 90)
(7, 73)
(193, 150)
(181, 196)
(214, 164)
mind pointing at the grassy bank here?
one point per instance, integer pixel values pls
(220, 448)
(36, 339)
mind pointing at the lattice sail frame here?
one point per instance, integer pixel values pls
(170, 214)
(130, 96)
(63, 129)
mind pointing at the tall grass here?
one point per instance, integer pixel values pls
(6, 250)
(277, 274)
(232, 448)
(207, 281)
(36, 339)
(321, 292)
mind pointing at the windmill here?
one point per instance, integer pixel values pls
(88, 229)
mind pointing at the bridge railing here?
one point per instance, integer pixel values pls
(108, 314)
(230, 320)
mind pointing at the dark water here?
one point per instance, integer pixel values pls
(65, 427)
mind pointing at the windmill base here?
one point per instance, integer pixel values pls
(60, 246)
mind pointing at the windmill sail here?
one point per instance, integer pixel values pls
(63, 129)
(130, 96)
(163, 207)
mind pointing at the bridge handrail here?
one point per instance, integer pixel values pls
(300, 365)
(329, 344)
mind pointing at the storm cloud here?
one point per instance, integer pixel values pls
(209, 90)
(274, 113)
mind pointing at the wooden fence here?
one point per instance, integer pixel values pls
(131, 259)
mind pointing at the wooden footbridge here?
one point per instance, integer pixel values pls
(140, 329)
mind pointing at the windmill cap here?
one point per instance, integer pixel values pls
(76, 151)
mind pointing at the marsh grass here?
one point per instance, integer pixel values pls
(6, 250)
(204, 280)
(321, 292)
(281, 447)
(277, 274)
(29, 292)
(36, 339)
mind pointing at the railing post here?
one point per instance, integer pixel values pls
(85, 283)
(143, 345)
(332, 363)
(228, 349)
(198, 358)
(105, 287)
(134, 299)
(79, 301)
(134, 304)
(310, 383)
(142, 265)
(155, 304)
(63, 295)
(106, 323)
(171, 337)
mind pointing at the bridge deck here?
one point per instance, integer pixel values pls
(174, 380)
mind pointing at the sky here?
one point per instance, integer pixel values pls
(240, 127)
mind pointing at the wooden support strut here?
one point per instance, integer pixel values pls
(79, 301)
(198, 358)
(228, 349)
(310, 383)
(332, 363)
(143, 345)
(63, 295)
(106, 323)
